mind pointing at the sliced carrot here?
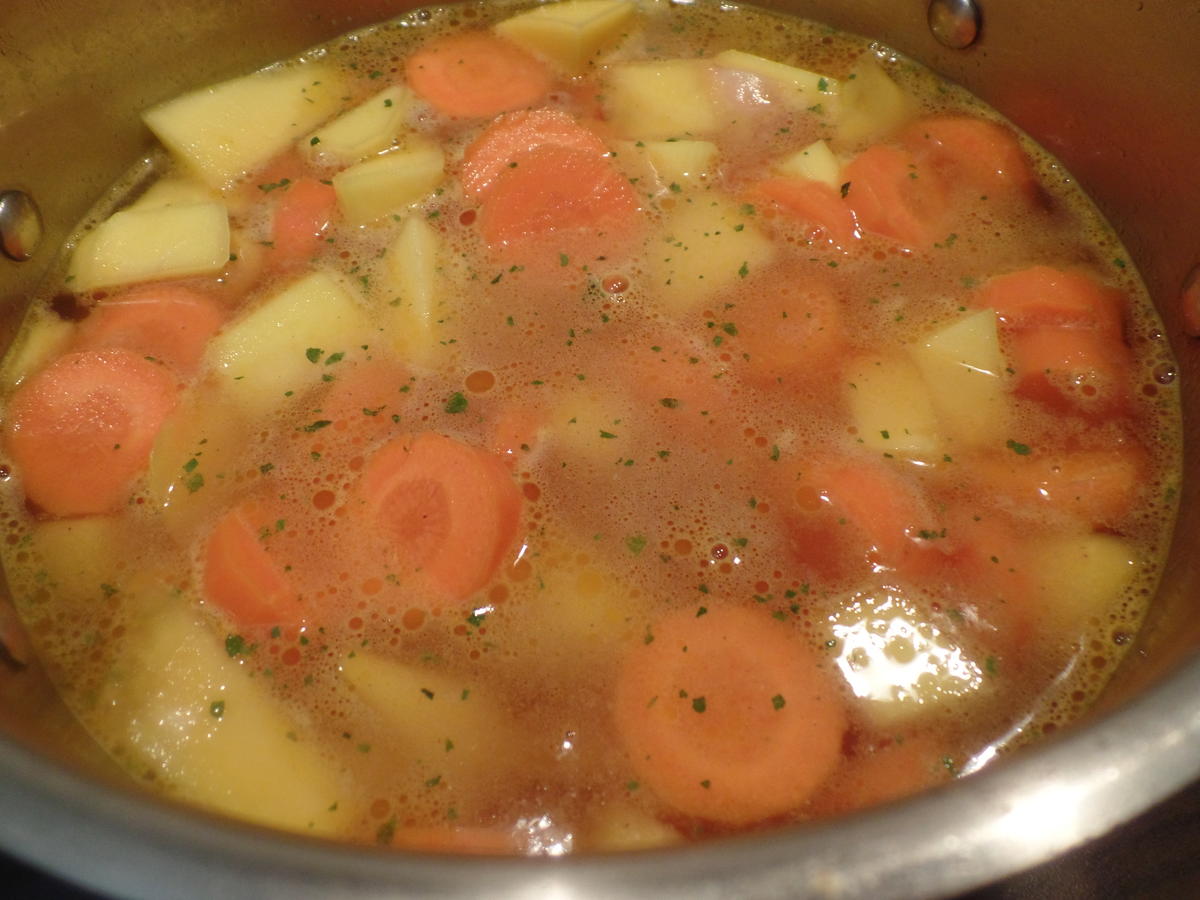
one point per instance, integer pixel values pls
(304, 208)
(1072, 369)
(364, 402)
(791, 331)
(514, 432)
(81, 430)
(506, 140)
(892, 196)
(1098, 487)
(679, 379)
(240, 577)
(170, 323)
(476, 74)
(1043, 296)
(827, 216)
(984, 156)
(573, 195)
(867, 513)
(448, 510)
(728, 716)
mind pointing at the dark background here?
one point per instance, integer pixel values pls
(1155, 857)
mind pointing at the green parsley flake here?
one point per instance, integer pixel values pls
(699, 704)
(778, 702)
(1018, 448)
(636, 544)
(457, 403)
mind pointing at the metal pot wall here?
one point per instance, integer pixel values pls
(1111, 86)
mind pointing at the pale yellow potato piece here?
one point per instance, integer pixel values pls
(174, 192)
(800, 87)
(227, 130)
(591, 427)
(963, 369)
(816, 162)
(661, 99)
(710, 244)
(153, 243)
(80, 555)
(412, 287)
(623, 826)
(871, 104)
(370, 127)
(891, 406)
(445, 721)
(1083, 576)
(263, 355)
(569, 34)
(41, 339)
(245, 757)
(682, 162)
(387, 184)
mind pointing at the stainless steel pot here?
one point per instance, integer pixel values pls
(1112, 86)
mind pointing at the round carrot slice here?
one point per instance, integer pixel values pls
(240, 577)
(448, 510)
(728, 716)
(81, 430)
(476, 74)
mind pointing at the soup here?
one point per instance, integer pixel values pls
(592, 427)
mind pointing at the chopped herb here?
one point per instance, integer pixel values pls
(318, 425)
(606, 434)
(235, 644)
(778, 702)
(669, 402)
(1018, 448)
(699, 704)
(314, 354)
(636, 544)
(457, 403)
(744, 270)
(563, 259)
(194, 482)
(335, 358)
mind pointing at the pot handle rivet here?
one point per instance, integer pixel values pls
(20, 225)
(955, 23)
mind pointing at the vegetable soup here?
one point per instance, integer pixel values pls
(591, 426)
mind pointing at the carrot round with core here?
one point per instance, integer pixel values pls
(80, 430)
(447, 510)
(476, 74)
(728, 716)
(240, 576)
(170, 323)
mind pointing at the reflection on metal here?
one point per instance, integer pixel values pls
(20, 225)
(955, 23)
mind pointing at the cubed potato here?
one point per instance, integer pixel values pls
(710, 244)
(412, 291)
(367, 129)
(211, 734)
(799, 87)
(815, 162)
(264, 354)
(871, 104)
(387, 184)
(663, 99)
(682, 162)
(897, 661)
(80, 556)
(891, 406)
(44, 336)
(230, 129)
(571, 34)
(1084, 576)
(160, 242)
(591, 427)
(447, 721)
(963, 367)
(623, 826)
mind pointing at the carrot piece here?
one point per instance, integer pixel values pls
(448, 510)
(821, 208)
(1098, 487)
(80, 430)
(240, 576)
(304, 210)
(727, 716)
(508, 139)
(476, 74)
(867, 511)
(514, 432)
(1072, 369)
(891, 195)
(1042, 296)
(985, 156)
(169, 322)
(883, 772)
(574, 195)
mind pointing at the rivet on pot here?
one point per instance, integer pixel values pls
(955, 23)
(20, 225)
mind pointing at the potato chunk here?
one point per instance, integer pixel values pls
(569, 34)
(800, 87)
(1084, 576)
(370, 127)
(710, 244)
(413, 273)
(662, 99)
(387, 184)
(229, 129)
(815, 162)
(264, 354)
(891, 406)
(147, 244)
(682, 162)
(871, 104)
